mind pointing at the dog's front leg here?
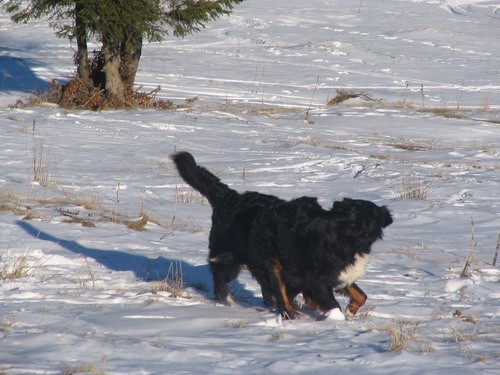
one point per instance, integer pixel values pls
(320, 297)
(284, 305)
(357, 298)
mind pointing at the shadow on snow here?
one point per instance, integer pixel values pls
(16, 74)
(148, 269)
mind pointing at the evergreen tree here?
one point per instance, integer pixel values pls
(120, 26)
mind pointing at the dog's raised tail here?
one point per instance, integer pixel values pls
(198, 177)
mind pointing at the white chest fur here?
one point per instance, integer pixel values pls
(354, 271)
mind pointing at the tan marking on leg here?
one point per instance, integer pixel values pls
(289, 310)
(357, 298)
(311, 304)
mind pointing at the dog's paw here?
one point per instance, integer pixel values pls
(334, 314)
(289, 315)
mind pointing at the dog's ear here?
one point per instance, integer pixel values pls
(337, 205)
(385, 217)
(346, 209)
(343, 202)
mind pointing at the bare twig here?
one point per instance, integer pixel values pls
(423, 96)
(84, 105)
(494, 263)
(473, 243)
(312, 99)
(154, 92)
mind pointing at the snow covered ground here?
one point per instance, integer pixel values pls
(92, 293)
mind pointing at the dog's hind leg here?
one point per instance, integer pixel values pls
(220, 265)
(223, 274)
(357, 298)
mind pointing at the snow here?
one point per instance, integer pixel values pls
(92, 298)
(335, 314)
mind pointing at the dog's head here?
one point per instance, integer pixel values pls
(362, 212)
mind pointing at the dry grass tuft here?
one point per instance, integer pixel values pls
(189, 196)
(469, 318)
(399, 337)
(344, 95)
(273, 111)
(237, 324)
(461, 335)
(279, 334)
(73, 218)
(93, 204)
(407, 338)
(138, 225)
(43, 173)
(410, 147)
(41, 166)
(15, 267)
(413, 188)
(77, 95)
(446, 112)
(89, 368)
(9, 208)
(5, 324)
(173, 282)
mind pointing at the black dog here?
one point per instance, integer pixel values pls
(298, 247)
(232, 217)
(269, 235)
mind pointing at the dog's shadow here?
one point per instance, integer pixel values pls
(148, 269)
(144, 268)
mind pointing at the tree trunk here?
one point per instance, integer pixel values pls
(131, 49)
(114, 84)
(83, 69)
